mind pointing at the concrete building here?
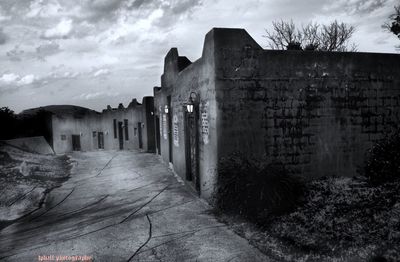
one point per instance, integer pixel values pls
(315, 112)
(74, 128)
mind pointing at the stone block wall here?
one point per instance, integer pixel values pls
(316, 112)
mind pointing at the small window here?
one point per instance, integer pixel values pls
(94, 133)
(126, 129)
(63, 137)
(135, 131)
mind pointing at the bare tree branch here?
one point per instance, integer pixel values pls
(312, 36)
(283, 34)
(335, 36)
(393, 25)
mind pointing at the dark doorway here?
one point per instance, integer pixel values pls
(76, 142)
(192, 149)
(100, 138)
(169, 129)
(139, 126)
(120, 135)
(158, 135)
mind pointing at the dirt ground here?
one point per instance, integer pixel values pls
(25, 180)
(123, 206)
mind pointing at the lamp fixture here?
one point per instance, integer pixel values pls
(191, 101)
(166, 109)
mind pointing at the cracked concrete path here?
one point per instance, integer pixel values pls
(123, 206)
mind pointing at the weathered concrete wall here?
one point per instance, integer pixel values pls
(317, 112)
(89, 124)
(67, 125)
(178, 81)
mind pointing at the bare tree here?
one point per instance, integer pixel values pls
(394, 24)
(335, 37)
(283, 35)
(312, 36)
(310, 33)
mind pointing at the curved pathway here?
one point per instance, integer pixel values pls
(122, 206)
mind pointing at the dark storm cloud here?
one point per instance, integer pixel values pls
(47, 50)
(15, 54)
(8, 4)
(173, 11)
(109, 10)
(101, 9)
(358, 6)
(137, 3)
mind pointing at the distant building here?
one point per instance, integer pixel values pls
(315, 112)
(73, 128)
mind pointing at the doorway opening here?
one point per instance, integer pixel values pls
(76, 142)
(192, 149)
(140, 135)
(158, 135)
(120, 135)
(100, 140)
(170, 129)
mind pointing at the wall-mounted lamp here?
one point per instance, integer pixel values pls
(191, 101)
(166, 109)
(152, 113)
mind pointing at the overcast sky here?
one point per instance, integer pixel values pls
(98, 52)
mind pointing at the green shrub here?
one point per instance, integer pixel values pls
(256, 190)
(383, 160)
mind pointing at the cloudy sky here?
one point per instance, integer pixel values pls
(98, 52)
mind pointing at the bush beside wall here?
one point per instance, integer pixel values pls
(256, 190)
(382, 163)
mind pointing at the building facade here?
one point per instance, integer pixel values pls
(315, 112)
(115, 128)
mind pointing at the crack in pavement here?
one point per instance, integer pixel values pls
(93, 231)
(82, 208)
(98, 174)
(173, 206)
(83, 226)
(146, 185)
(188, 234)
(166, 242)
(145, 204)
(60, 215)
(147, 240)
(51, 208)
